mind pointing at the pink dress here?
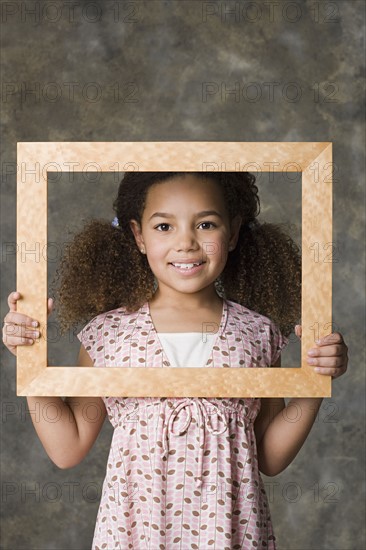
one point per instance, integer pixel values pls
(182, 473)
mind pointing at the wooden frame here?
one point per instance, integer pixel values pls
(35, 160)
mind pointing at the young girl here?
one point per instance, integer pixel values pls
(186, 276)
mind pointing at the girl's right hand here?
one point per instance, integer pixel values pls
(18, 329)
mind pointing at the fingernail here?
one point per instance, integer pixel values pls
(317, 341)
(35, 324)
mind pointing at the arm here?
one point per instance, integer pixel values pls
(67, 435)
(282, 430)
(68, 440)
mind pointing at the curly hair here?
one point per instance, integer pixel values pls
(102, 268)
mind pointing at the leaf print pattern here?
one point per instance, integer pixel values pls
(182, 473)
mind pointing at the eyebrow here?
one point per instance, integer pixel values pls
(198, 215)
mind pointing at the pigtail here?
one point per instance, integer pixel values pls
(263, 273)
(101, 269)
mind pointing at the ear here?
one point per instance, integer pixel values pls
(136, 230)
(234, 231)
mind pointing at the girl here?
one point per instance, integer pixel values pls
(186, 276)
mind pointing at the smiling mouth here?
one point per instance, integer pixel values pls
(186, 265)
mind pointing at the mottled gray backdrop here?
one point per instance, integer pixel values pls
(188, 71)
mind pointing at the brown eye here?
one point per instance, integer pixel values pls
(208, 223)
(162, 225)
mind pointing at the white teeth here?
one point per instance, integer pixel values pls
(186, 266)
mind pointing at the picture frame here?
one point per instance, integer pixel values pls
(35, 159)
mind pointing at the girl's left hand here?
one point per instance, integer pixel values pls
(330, 356)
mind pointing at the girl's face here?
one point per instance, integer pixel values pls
(185, 222)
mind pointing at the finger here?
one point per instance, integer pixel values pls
(333, 338)
(14, 318)
(334, 373)
(15, 341)
(298, 331)
(326, 351)
(18, 318)
(14, 335)
(12, 300)
(326, 362)
(12, 331)
(50, 306)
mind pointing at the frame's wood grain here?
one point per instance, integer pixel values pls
(314, 160)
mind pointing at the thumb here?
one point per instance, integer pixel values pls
(49, 306)
(298, 331)
(12, 300)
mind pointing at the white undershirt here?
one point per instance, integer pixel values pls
(187, 349)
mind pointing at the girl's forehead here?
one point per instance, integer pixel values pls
(190, 189)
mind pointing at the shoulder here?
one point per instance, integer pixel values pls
(254, 324)
(118, 318)
(242, 314)
(264, 335)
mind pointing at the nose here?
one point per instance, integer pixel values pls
(186, 240)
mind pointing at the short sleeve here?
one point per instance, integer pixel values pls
(277, 342)
(90, 336)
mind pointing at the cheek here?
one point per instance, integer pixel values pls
(220, 246)
(216, 255)
(156, 251)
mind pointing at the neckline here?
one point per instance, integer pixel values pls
(184, 334)
(146, 308)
